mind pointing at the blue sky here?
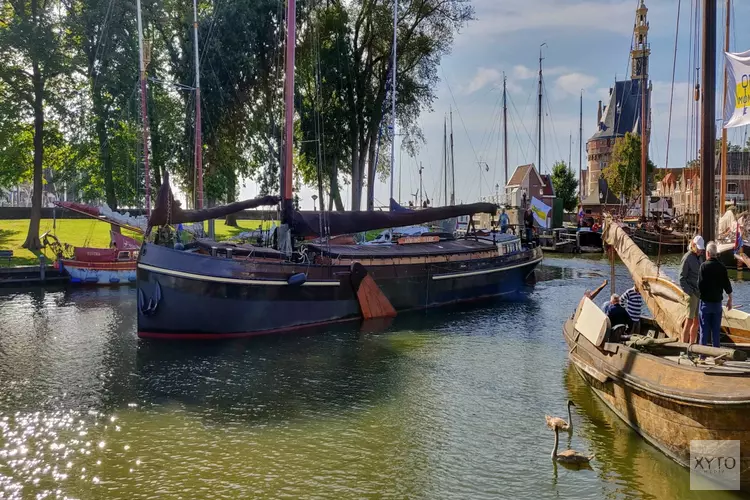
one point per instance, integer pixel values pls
(588, 43)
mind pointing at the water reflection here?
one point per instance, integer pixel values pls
(628, 465)
(447, 404)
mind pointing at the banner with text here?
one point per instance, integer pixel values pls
(737, 109)
(540, 211)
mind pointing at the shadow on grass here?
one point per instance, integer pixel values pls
(6, 236)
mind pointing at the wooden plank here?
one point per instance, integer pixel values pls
(592, 322)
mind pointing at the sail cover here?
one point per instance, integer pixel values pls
(335, 223)
(664, 298)
(168, 211)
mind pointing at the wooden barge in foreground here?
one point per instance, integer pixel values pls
(665, 396)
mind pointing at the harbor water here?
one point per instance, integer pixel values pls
(445, 404)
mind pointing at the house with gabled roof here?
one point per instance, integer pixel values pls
(525, 183)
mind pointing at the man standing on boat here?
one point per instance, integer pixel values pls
(504, 221)
(690, 268)
(634, 306)
(712, 281)
(616, 313)
(528, 220)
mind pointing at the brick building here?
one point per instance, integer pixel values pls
(623, 112)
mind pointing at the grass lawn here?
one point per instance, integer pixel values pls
(82, 232)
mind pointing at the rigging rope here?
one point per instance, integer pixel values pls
(671, 90)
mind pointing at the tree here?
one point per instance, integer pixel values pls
(35, 54)
(565, 184)
(623, 172)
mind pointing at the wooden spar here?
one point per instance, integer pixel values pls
(453, 166)
(445, 159)
(708, 116)
(724, 145)
(644, 130)
(144, 111)
(580, 152)
(287, 210)
(505, 127)
(198, 134)
(601, 287)
(393, 92)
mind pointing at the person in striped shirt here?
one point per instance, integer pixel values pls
(634, 305)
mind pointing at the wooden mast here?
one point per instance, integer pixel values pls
(144, 111)
(393, 94)
(724, 145)
(198, 135)
(539, 114)
(580, 152)
(505, 127)
(287, 209)
(644, 138)
(453, 166)
(708, 116)
(445, 159)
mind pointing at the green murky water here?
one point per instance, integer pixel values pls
(448, 404)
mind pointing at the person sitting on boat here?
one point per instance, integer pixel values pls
(690, 268)
(504, 221)
(617, 314)
(712, 282)
(528, 221)
(634, 306)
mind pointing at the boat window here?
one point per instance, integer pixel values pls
(123, 256)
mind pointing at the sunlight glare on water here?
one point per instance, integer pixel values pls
(448, 404)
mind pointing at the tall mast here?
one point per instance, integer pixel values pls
(198, 135)
(144, 111)
(640, 70)
(420, 183)
(539, 114)
(453, 166)
(393, 91)
(505, 127)
(708, 116)
(286, 179)
(445, 157)
(570, 149)
(724, 145)
(580, 151)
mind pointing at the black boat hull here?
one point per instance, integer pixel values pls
(187, 295)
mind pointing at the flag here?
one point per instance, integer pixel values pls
(737, 109)
(540, 212)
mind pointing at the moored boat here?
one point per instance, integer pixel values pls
(211, 290)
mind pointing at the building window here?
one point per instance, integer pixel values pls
(732, 187)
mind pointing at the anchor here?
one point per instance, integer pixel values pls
(149, 308)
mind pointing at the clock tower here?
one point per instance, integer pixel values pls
(641, 49)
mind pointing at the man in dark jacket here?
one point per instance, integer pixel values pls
(617, 314)
(690, 268)
(528, 220)
(712, 282)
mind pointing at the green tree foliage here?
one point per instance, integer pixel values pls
(35, 48)
(623, 172)
(565, 184)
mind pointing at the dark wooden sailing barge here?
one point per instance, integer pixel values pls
(210, 290)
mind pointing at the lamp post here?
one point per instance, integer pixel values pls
(315, 198)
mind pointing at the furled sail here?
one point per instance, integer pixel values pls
(335, 223)
(168, 211)
(663, 297)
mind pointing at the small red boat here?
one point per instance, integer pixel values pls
(115, 265)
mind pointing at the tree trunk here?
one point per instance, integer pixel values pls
(334, 182)
(231, 219)
(104, 150)
(32, 239)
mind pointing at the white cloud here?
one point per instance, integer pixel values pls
(510, 16)
(482, 78)
(573, 83)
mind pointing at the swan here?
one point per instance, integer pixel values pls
(568, 456)
(557, 422)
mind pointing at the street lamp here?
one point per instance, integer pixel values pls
(315, 198)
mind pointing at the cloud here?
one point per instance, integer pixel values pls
(572, 83)
(482, 78)
(522, 72)
(511, 16)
